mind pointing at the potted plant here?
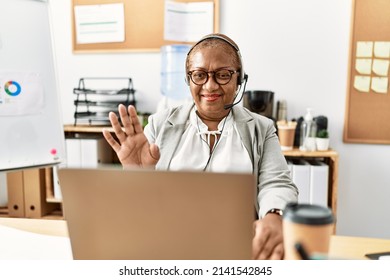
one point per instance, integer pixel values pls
(322, 140)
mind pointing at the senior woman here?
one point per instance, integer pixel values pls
(214, 135)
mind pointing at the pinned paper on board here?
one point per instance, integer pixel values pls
(362, 83)
(363, 65)
(380, 67)
(372, 65)
(364, 49)
(100, 23)
(187, 22)
(20, 94)
(382, 49)
(380, 84)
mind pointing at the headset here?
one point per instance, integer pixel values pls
(242, 77)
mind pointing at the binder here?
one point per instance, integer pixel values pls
(319, 177)
(73, 152)
(3, 190)
(35, 203)
(49, 187)
(301, 178)
(15, 190)
(87, 152)
(56, 185)
(94, 151)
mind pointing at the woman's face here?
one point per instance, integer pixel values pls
(211, 97)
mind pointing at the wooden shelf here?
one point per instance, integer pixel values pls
(54, 215)
(331, 158)
(4, 212)
(298, 153)
(70, 128)
(53, 200)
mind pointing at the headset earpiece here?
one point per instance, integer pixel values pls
(242, 79)
(187, 79)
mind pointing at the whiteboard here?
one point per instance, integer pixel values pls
(31, 130)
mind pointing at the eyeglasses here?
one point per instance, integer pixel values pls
(221, 77)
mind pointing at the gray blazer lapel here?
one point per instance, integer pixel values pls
(246, 128)
(174, 128)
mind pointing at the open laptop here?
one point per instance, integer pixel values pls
(147, 214)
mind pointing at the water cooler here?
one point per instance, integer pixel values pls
(173, 86)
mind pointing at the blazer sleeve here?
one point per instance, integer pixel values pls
(275, 187)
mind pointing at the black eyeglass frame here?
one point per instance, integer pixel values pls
(232, 72)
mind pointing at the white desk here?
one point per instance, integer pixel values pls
(48, 239)
(28, 239)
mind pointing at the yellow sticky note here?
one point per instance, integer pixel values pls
(362, 83)
(364, 49)
(380, 67)
(382, 49)
(363, 65)
(380, 84)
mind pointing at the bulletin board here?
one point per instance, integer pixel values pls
(144, 26)
(367, 118)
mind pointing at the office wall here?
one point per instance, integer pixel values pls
(296, 48)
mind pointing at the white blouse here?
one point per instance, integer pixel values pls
(228, 153)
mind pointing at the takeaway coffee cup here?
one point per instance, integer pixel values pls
(307, 229)
(286, 134)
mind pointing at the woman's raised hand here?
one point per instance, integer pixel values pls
(131, 145)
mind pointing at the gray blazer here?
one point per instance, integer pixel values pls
(274, 185)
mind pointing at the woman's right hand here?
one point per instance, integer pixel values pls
(131, 145)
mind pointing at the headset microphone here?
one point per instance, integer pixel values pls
(229, 106)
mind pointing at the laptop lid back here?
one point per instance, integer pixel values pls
(149, 214)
